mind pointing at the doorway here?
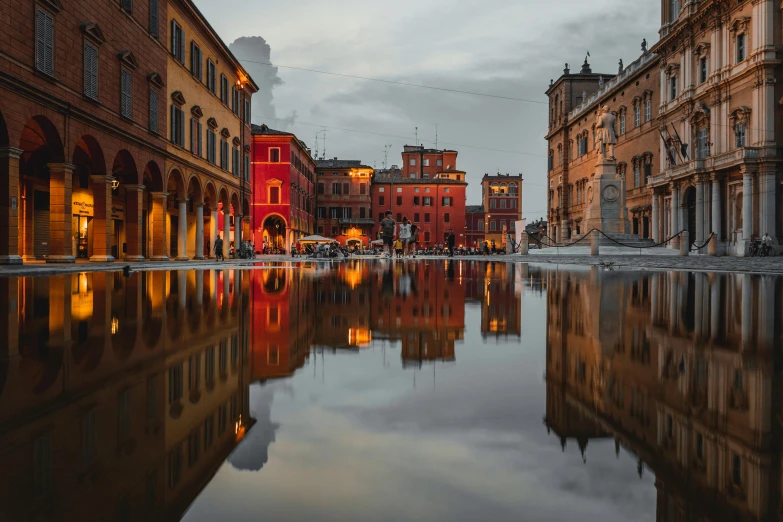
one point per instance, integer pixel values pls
(690, 209)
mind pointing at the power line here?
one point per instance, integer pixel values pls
(393, 82)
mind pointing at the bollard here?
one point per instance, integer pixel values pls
(509, 244)
(523, 244)
(712, 249)
(685, 244)
(595, 239)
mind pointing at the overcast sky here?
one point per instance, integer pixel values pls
(508, 48)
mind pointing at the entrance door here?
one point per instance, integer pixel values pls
(40, 224)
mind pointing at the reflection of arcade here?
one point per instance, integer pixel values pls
(347, 296)
(423, 307)
(280, 329)
(679, 368)
(493, 285)
(118, 397)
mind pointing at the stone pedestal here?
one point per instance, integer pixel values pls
(605, 202)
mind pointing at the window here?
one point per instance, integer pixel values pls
(416, 217)
(416, 201)
(447, 202)
(274, 155)
(412, 162)
(336, 189)
(177, 42)
(209, 364)
(399, 189)
(493, 226)
(622, 129)
(399, 201)
(90, 71)
(320, 189)
(346, 189)
(235, 161)
(675, 10)
(637, 116)
(177, 126)
(381, 189)
(209, 431)
(335, 231)
(195, 60)
(426, 163)
(235, 105)
(647, 172)
(481, 226)
(703, 70)
(439, 163)
(223, 88)
(702, 139)
(740, 47)
(211, 146)
(446, 218)
(175, 466)
(560, 150)
(44, 42)
(224, 154)
(333, 212)
(223, 357)
(380, 216)
(412, 175)
(362, 188)
(153, 21)
(195, 137)
(247, 167)
(427, 201)
(426, 218)
(493, 203)
(274, 195)
(672, 88)
(502, 203)
(154, 110)
(126, 94)
(647, 109)
(321, 213)
(211, 79)
(247, 112)
(381, 200)
(127, 5)
(739, 135)
(636, 175)
(175, 382)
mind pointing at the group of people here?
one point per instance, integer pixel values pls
(404, 243)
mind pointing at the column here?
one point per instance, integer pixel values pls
(675, 209)
(663, 218)
(238, 220)
(767, 193)
(182, 291)
(199, 231)
(182, 233)
(699, 210)
(10, 202)
(564, 235)
(102, 224)
(159, 247)
(716, 217)
(133, 222)
(747, 204)
(226, 231)
(655, 218)
(60, 213)
(27, 241)
(213, 230)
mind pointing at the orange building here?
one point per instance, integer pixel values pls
(344, 211)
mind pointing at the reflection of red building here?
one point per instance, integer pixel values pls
(278, 345)
(420, 308)
(347, 295)
(474, 226)
(283, 189)
(344, 205)
(494, 286)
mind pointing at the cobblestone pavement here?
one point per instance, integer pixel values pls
(644, 262)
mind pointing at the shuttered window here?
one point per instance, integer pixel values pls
(177, 126)
(247, 168)
(235, 161)
(126, 96)
(211, 75)
(195, 60)
(224, 154)
(247, 112)
(224, 89)
(90, 71)
(211, 153)
(177, 41)
(127, 5)
(44, 42)
(235, 100)
(154, 111)
(154, 18)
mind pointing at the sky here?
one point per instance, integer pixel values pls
(502, 48)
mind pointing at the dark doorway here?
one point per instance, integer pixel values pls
(690, 218)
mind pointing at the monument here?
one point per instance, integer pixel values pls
(606, 190)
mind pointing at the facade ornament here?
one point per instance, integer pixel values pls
(600, 82)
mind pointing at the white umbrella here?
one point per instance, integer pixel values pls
(316, 239)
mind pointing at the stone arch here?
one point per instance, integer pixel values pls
(210, 196)
(175, 182)
(234, 203)
(124, 168)
(88, 160)
(194, 190)
(41, 140)
(4, 142)
(223, 197)
(152, 178)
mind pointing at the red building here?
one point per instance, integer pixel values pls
(501, 195)
(475, 216)
(344, 210)
(283, 173)
(433, 199)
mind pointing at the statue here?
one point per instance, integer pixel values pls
(644, 45)
(605, 138)
(600, 82)
(620, 70)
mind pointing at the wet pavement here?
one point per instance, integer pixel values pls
(432, 390)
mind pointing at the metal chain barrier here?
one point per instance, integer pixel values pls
(696, 248)
(661, 244)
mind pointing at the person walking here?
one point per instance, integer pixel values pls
(405, 235)
(294, 253)
(485, 250)
(413, 240)
(451, 240)
(219, 249)
(388, 226)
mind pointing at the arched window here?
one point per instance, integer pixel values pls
(512, 189)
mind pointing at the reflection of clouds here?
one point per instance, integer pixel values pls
(253, 453)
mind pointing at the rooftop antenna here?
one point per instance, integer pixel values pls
(316, 145)
(417, 136)
(323, 154)
(436, 136)
(386, 155)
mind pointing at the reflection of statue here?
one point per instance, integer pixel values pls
(605, 137)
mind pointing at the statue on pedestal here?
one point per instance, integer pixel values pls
(606, 137)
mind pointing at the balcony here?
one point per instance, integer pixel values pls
(357, 221)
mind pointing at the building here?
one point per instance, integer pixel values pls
(721, 84)
(475, 218)
(82, 128)
(501, 196)
(574, 100)
(283, 181)
(205, 191)
(344, 204)
(433, 199)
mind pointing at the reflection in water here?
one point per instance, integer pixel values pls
(121, 398)
(680, 369)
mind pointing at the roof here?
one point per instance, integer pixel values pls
(474, 209)
(412, 150)
(266, 131)
(397, 179)
(502, 177)
(340, 164)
